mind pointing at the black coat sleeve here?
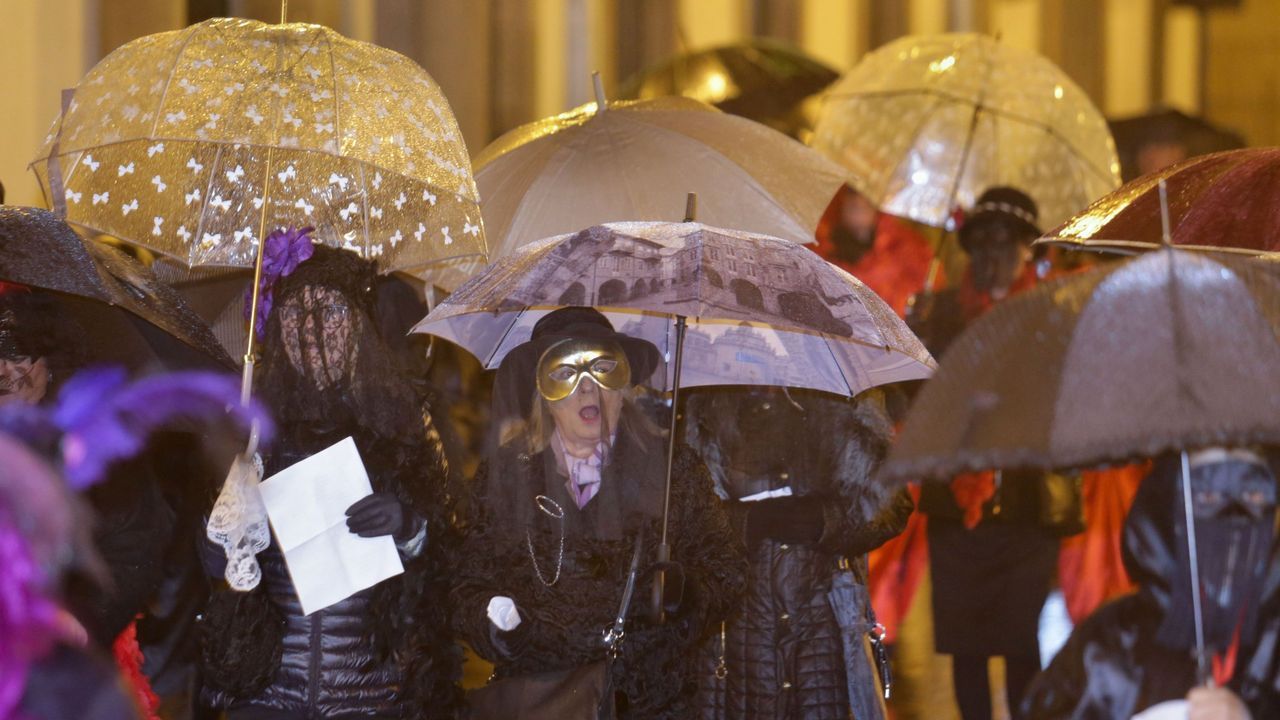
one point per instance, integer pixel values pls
(1095, 675)
(864, 513)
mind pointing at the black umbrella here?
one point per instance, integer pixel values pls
(95, 283)
(1168, 127)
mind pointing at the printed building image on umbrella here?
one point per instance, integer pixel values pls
(191, 142)
(760, 310)
(926, 123)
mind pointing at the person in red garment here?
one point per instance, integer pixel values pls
(882, 251)
(992, 537)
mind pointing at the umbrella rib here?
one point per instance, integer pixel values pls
(498, 346)
(337, 116)
(204, 202)
(993, 110)
(177, 57)
(915, 135)
(826, 342)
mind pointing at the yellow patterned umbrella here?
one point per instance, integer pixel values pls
(197, 142)
(926, 123)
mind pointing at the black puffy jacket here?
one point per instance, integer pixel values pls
(783, 651)
(385, 651)
(327, 665)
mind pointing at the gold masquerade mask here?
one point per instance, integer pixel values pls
(565, 364)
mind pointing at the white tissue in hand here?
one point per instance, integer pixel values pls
(503, 614)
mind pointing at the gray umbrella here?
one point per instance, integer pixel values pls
(1169, 351)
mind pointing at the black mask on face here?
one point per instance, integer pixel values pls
(995, 249)
(851, 244)
(1234, 505)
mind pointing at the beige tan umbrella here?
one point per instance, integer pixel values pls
(638, 160)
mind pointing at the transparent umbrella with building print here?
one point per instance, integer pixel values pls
(726, 308)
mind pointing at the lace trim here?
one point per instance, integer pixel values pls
(239, 523)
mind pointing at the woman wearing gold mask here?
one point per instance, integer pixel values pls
(574, 475)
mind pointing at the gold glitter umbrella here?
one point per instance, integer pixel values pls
(197, 142)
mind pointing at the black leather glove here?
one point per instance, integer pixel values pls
(383, 514)
(795, 520)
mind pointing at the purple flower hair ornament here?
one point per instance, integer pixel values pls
(284, 251)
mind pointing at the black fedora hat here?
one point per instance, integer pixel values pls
(517, 369)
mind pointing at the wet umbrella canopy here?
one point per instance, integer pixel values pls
(197, 142)
(97, 284)
(1223, 200)
(763, 80)
(637, 161)
(761, 311)
(1171, 350)
(926, 123)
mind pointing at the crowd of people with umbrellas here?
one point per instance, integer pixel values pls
(715, 452)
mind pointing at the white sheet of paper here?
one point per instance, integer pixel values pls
(306, 503)
(767, 494)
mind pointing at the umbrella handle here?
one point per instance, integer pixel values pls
(660, 585)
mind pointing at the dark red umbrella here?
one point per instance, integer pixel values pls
(1226, 200)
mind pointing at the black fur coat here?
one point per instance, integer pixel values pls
(562, 623)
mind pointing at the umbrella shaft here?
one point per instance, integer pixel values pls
(1201, 668)
(675, 406)
(664, 550)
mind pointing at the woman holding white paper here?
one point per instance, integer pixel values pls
(575, 474)
(386, 651)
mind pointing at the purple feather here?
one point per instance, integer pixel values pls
(37, 533)
(104, 420)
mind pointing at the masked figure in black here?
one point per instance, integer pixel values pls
(386, 651)
(574, 474)
(1139, 650)
(796, 647)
